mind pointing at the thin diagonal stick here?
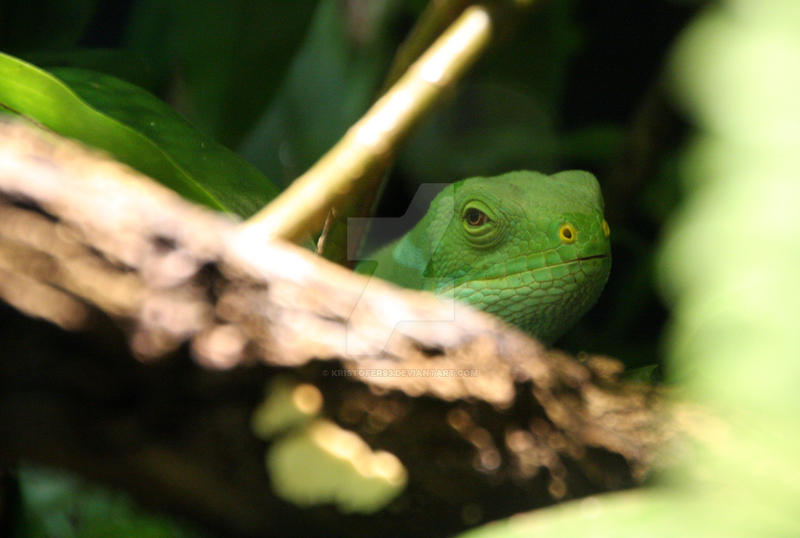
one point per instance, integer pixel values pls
(301, 209)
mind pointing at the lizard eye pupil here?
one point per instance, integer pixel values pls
(567, 233)
(475, 217)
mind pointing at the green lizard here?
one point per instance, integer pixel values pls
(529, 248)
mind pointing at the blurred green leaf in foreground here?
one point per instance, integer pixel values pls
(59, 504)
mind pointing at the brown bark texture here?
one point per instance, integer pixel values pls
(163, 325)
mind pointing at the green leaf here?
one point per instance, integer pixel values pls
(225, 60)
(137, 129)
(330, 84)
(58, 503)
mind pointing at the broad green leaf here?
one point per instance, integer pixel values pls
(137, 129)
(226, 59)
(330, 84)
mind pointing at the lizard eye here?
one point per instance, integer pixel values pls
(567, 233)
(482, 225)
(475, 217)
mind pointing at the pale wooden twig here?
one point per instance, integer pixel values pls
(301, 209)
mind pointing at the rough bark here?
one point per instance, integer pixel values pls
(172, 321)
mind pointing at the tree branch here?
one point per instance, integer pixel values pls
(301, 209)
(84, 239)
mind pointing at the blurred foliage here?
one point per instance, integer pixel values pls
(325, 464)
(60, 504)
(317, 462)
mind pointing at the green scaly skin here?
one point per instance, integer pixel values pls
(529, 248)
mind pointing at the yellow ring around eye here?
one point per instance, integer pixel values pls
(567, 233)
(606, 229)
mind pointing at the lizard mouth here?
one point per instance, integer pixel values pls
(574, 261)
(585, 258)
(569, 262)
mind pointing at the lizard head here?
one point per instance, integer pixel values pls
(530, 248)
